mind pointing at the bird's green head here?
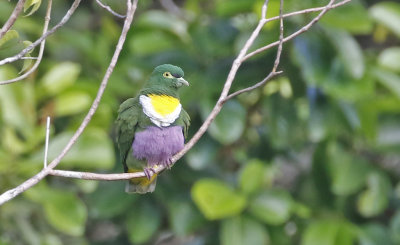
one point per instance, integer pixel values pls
(166, 79)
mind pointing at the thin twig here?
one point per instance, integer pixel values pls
(109, 9)
(218, 106)
(21, 54)
(46, 147)
(13, 17)
(273, 73)
(306, 11)
(293, 35)
(8, 195)
(41, 50)
(279, 52)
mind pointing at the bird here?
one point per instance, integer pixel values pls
(152, 127)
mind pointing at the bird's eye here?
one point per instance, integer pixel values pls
(167, 74)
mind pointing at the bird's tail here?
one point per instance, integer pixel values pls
(141, 185)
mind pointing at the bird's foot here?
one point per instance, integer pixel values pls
(149, 172)
(168, 163)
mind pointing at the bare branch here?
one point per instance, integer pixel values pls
(109, 9)
(218, 106)
(64, 20)
(278, 53)
(46, 147)
(306, 11)
(13, 17)
(293, 35)
(8, 195)
(41, 50)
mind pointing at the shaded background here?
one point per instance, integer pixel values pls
(311, 158)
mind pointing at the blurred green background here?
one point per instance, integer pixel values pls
(313, 158)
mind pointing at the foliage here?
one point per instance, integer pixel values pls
(311, 158)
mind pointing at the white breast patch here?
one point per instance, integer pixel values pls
(155, 117)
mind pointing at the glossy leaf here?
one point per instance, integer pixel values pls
(329, 232)
(374, 200)
(390, 59)
(142, 222)
(374, 234)
(63, 209)
(71, 103)
(60, 77)
(390, 80)
(93, 150)
(348, 173)
(229, 125)
(387, 13)
(33, 5)
(8, 37)
(216, 200)
(395, 227)
(242, 230)
(272, 207)
(349, 51)
(252, 176)
(352, 17)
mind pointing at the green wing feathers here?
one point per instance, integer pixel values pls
(184, 121)
(128, 116)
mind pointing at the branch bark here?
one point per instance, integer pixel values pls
(224, 94)
(41, 50)
(8, 195)
(242, 56)
(44, 36)
(13, 17)
(109, 9)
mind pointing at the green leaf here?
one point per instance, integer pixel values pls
(375, 199)
(242, 230)
(272, 207)
(229, 125)
(71, 103)
(142, 222)
(388, 79)
(60, 77)
(9, 36)
(143, 44)
(395, 228)
(216, 200)
(374, 234)
(110, 200)
(63, 210)
(229, 8)
(348, 172)
(162, 20)
(93, 150)
(388, 14)
(329, 232)
(390, 59)
(252, 176)
(184, 217)
(352, 17)
(35, 4)
(203, 155)
(349, 51)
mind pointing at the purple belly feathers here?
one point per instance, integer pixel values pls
(158, 145)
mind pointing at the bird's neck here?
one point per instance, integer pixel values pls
(160, 91)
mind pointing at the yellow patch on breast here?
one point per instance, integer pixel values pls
(163, 104)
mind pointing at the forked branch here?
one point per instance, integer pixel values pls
(242, 56)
